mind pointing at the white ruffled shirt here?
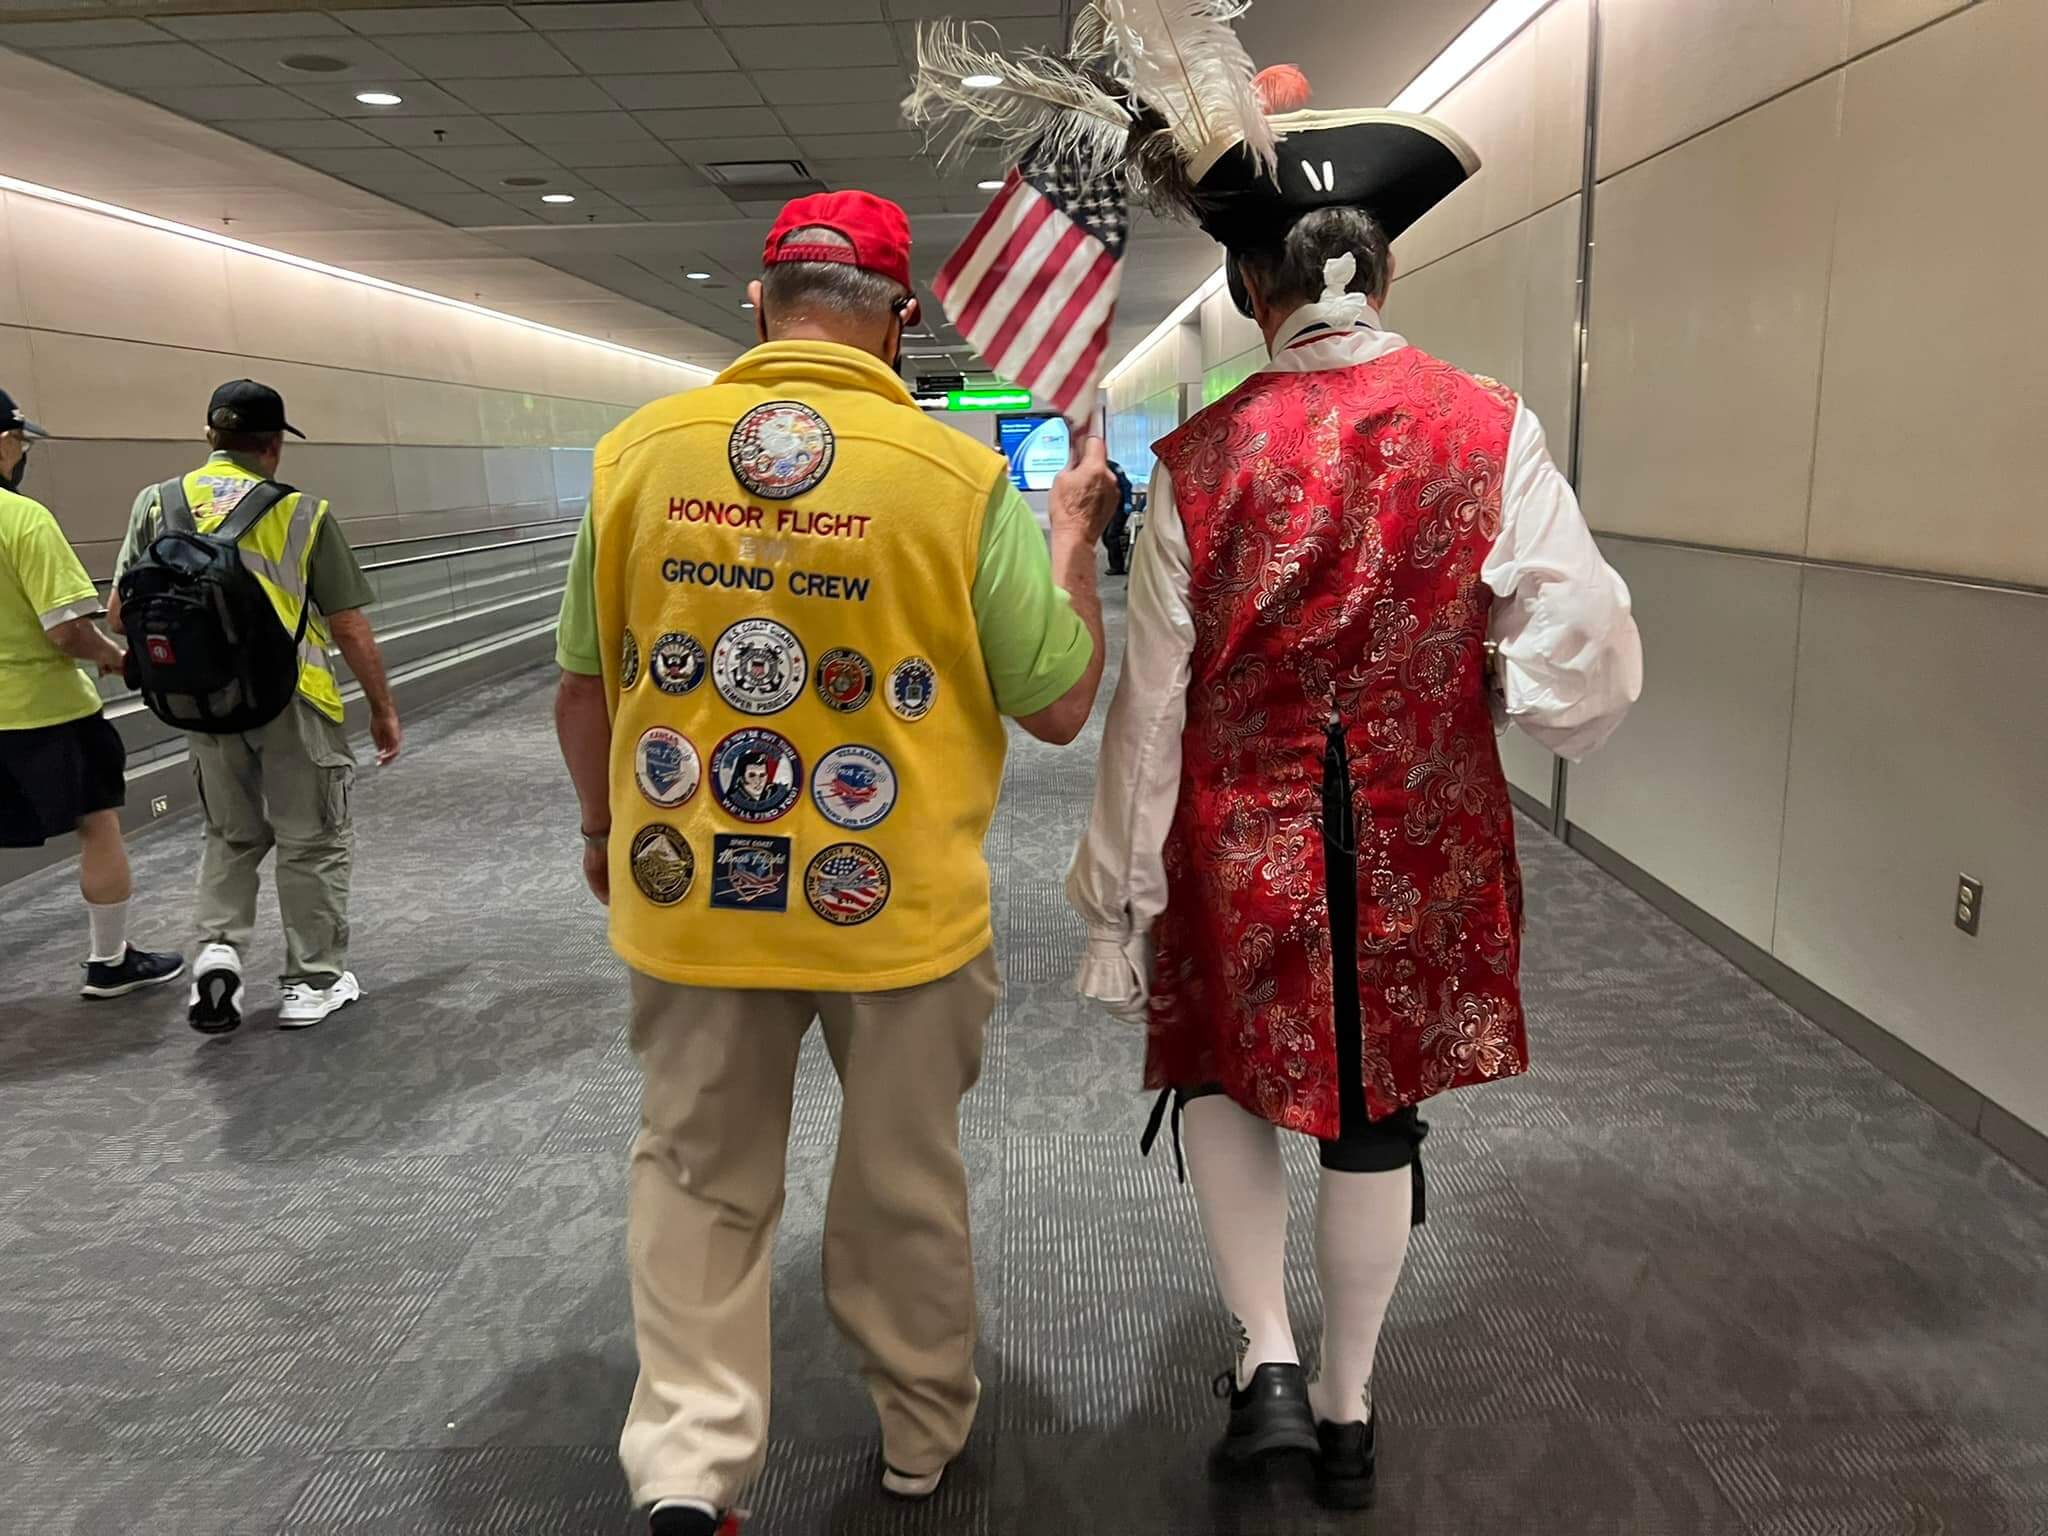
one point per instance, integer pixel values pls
(1569, 661)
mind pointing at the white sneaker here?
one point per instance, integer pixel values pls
(304, 1005)
(212, 1007)
(905, 1486)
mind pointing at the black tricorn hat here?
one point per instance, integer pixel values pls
(1395, 165)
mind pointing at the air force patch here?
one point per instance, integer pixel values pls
(758, 666)
(780, 449)
(847, 884)
(913, 688)
(663, 866)
(749, 874)
(666, 766)
(854, 787)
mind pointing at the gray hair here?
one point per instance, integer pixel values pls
(805, 290)
(1291, 272)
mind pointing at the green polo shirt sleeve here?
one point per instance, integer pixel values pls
(334, 577)
(1033, 643)
(576, 629)
(139, 531)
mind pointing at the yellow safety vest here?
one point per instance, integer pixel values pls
(278, 551)
(806, 751)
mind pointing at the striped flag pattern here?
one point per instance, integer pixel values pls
(1034, 284)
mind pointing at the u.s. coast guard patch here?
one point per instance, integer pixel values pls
(854, 787)
(758, 666)
(780, 449)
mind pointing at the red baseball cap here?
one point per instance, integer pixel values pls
(876, 230)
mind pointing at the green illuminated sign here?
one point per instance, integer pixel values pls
(988, 399)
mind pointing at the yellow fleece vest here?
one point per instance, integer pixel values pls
(806, 751)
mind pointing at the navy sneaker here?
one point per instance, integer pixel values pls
(136, 969)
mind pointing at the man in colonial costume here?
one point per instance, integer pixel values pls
(1301, 869)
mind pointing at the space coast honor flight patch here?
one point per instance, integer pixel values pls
(780, 449)
(749, 873)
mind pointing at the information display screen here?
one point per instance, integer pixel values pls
(1036, 447)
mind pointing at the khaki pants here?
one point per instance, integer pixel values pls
(706, 1194)
(285, 785)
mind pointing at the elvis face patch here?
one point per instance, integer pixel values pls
(676, 663)
(913, 688)
(780, 449)
(846, 680)
(758, 666)
(663, 866)
(756, 775)
(666, 766)
(854, 787)
(749, 873)
(629, 663)
(847, 884)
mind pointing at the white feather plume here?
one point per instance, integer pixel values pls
(1039, 103)
(1182, 58)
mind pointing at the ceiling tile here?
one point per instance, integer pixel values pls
(1014, 31)
(798, 86)
(789, 13)
(90, 32)
(833, 47)
(860, 146)
(760, 147)
(233, 103)
(469, 209)
(433, 18)
(490, 159)
(382, 160)
(419, 182)
(599, 14)
(289, 133)
(667, 49)
(677, 184)
(422, 98)
(488, 56)
(589, 208)
(640, 93)
(711, 209)
(625, 152)
(243, 27)
(264, 58)
(436, 132)
(571, 127)
(148, 64)
(710, 123)
(912, 10)
(560, 93)
(842, 117)
(892, 168)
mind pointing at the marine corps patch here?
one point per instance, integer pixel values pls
(847, 884)
(756, 774)
(780, 449)
(758, 666)
(629, 663)
(666, 766)
(913, 687)
(846, 680)
(749, 873)
(663, 866)
(676, 663)
(854, 787)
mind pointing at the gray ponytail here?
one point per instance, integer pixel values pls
(1291, 272)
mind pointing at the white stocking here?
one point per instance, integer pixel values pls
(1361, 1243)
(1241, 1189)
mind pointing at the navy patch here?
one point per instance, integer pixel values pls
(663, 866)
(758, 666)
(756, 775)
(666, 766)
(676, 663)
(847, 884)
(780, 449)
(854, 787)
(629, 663)
(846, 680)
(913, 688)
(749, 873)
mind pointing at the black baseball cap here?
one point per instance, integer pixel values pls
(243, 405)
(11, 419)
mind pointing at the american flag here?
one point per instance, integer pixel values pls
(1034, 285)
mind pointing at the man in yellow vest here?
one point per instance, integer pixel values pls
(286, 785)
(797, 612)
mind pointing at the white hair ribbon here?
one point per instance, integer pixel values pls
(1338, 305)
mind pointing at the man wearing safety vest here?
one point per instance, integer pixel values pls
(285, 785)
(797, 612)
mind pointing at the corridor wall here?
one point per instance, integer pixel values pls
(1813, 353)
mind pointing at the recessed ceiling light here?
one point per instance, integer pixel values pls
(557, 197)
(981, 82)
(697, 277)
(524, 181)
(746, 303)
(378, 98)
(990, 186)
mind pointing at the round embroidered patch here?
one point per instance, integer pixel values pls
(780, 449)
(913, 687)
(666, 766)
(847, 884)
(676, 664)
(756, 775)
(663, 866)
(846, 680)
(758, 666)
(854, 787)
(629, 662)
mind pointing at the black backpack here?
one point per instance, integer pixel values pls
(206, 648)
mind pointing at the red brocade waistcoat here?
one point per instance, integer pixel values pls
(1336, 524)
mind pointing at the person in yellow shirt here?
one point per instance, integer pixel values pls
(61, 764)
(797, 613)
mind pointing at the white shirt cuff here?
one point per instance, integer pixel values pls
(1116, 972)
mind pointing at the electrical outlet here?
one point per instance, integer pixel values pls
(158, 805)
(1969, 904)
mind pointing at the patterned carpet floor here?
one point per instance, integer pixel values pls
(1704, 1271)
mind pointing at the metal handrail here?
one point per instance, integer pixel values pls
(107, 582)
(474, 549)
(460, 533)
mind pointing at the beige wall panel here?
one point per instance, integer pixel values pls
(1528, 766)
(1692, 787)
(282, 311)
(432, 414)
(1671, 68)
(579, 423)
(570, 468)
(420, 340)
(1929, 455)
(513, 420)
(1872, 23)
(519, 483)
(99, 481)
(18, 372)
(430, 480)
(92, 386)
(1468, 308)
(1550, 316)
(330, 405)
(10, 288)
(102, 277)
(1225, 333)
(1917, 755)
(354, 479)
(1706, 339)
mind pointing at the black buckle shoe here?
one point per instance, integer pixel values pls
(1269, 1417)
(1347, 1464)
(674, 1521)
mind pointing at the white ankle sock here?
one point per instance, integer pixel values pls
(109, 921)
(1361, 1244)
(1241, 1190)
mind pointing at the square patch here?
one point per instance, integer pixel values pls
(749, 873)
